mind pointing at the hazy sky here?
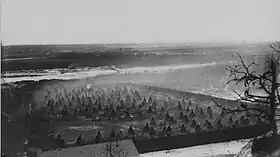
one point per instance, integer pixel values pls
(107, 21)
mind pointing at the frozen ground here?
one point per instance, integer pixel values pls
(209, 150)
(80, 74)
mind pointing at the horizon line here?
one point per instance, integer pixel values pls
(123, 43)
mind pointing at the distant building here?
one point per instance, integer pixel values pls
(123, 148)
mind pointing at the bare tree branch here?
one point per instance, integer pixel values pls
(266, 82)
(237, 109)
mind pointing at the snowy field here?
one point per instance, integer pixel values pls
(81, 74)
(209, 150)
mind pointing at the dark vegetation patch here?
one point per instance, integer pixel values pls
(266, 144)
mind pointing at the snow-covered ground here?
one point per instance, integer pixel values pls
(209, 150)
(98, 71)
(64, 76)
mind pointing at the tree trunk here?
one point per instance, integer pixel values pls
(271, 117)
(272, 121)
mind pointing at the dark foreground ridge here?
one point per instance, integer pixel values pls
(181, 141)
(266, 144)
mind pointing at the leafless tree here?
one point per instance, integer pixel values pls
(264, 81)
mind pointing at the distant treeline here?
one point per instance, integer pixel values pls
(80, 59)
(181, 141)
(52, 56)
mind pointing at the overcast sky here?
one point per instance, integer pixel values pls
(115, 21)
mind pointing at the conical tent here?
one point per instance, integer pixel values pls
(172, 120)
(154, 104)
(165, 104)
(139, 107)
(197, 109)
(184, 103)
(152, 132)
(146, 128)
(187, 109)
(170, 102)
(209, 111)
(181, 115)
(98, 137)
(207, 122)
(128, 100)
(150, 99)
(119, 136)
(113, 134)
(122, 104)
(244, 121)
(167, 117)
(190, 102)
(113, 114)
(208, 125)
(223, 113)
(230, 121)
(150, 110)
(186, 118)
(162, 109)
(134, 103)
(202, 112)
(183, 129)
(137, 95)
(179, 106)
(130, 131)
(198, 129)
(152, 122)
(118, 109)
(99, 107)
(164, 129)
(242, 118)
(144, 102)
(192, 114)
(193, 124)
(219, 124)
(169, 130)
(80, 140)
(58, 137)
